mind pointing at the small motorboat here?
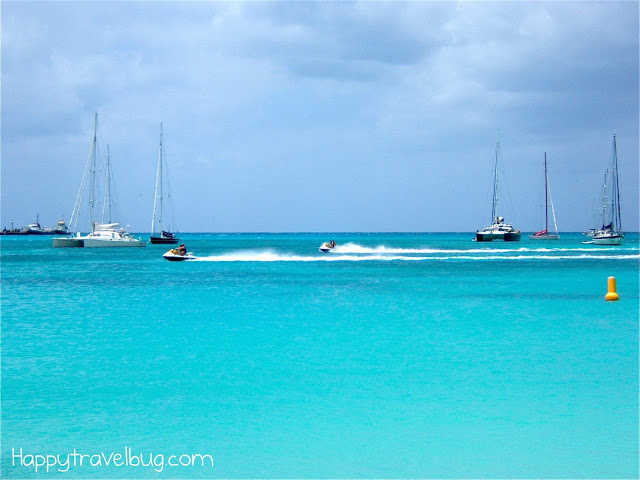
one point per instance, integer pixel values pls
(174, 255)
(327, 247)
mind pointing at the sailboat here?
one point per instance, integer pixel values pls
(76, 239)
(498, 230)
(165, 236)
(108, 233)
(544, 234)
(105, 234)
(611, 231)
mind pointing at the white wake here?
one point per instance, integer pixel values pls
(271, 256)
(362, 250)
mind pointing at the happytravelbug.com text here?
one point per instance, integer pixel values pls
(63, 462)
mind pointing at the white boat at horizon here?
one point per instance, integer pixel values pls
(611, 231)
(110, 235)
(36, 229)
(498, 230)
(106, 233)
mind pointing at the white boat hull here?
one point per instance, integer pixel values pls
(108, 236)
(498, 231)
(66, 242)
(112, 243)
(611, 231)
(608, 240)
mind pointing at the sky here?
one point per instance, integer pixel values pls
(321, 116)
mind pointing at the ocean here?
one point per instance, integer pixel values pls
(396, 356)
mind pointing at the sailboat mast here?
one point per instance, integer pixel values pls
(546, 194)
(494, 207)
(616, 186)
(106, 204)
(92, 184)
(158, 190)
(161, 182)
(604, 199)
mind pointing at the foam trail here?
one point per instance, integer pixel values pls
(270, 256)
(354, 248)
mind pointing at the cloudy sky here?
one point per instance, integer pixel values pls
(321, 116)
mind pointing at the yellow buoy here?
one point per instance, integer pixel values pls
(611, 295)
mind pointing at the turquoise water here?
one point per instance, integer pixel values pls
(399, 355)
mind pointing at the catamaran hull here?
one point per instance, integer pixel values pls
(67, 242)
(108, 243)
(489, 237)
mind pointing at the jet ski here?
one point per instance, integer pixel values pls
(174, 255)
(327, 247)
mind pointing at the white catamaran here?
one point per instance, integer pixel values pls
(611, 231)
(103, 234)
(164, 236)
(544, 234)
(108, 233)
(499, 230)
(74, 238)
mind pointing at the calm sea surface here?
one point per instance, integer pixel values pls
(398, 355)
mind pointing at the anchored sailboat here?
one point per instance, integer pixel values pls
(75, 239)
(165, 236)
(544, 234)
(611, 231)
(108, 233)
(499, 230)
(103, 234)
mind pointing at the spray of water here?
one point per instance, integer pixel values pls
(272, 256)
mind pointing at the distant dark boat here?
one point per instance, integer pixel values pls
(61, 228)
(37, 229)
(498, 230)
(165, 237)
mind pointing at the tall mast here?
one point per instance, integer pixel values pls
(494, 208)
(546, 193)
(160, 171)
(92, 184)
(157, 197)
(616, 186)
(106, 204)
(604, 199)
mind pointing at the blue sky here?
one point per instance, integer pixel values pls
(321, 116)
